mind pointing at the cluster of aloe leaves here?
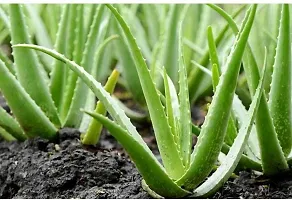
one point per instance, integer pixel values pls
(183, 169)
(258, 138)
(270, 141)
(43, 102)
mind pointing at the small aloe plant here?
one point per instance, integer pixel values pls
(270, 142)
(183, 169)
(42, 103)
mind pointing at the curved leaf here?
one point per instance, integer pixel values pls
(28, 66)
(166, 144)
(213, 131)
(272, 157)
(148, 166)
(221, 175)
(280, 103)
(30, 117)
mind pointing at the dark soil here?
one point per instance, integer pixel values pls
(39, 169)
(249, 186)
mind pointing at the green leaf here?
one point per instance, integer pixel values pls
(150, 16)
(77, 57)
(198, 50)
(213, 131)
(28, 66)
(4, 17)
(272, 157)
(171, 100)
(94, 38)
(129, 72)
(58, 74)
(231, 129)
(5, 135)
(280, 94)
(196, 77)
(30, 117)
(240, 113)
(170, 43)
(185, 134)
(10, 125)
(166, 144)
(244, 161)
(41, 33)
(7, 62)
(212, 48)
(221, 175)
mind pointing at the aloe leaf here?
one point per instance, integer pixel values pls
(161, 183)
(274, 16)
(214, 58)
(51, 16)
(148, 166)
(133, 115)
(58, 74)
(7, 62)
(28, 66)
(170, 47)
(129, 72)
(252, 147)
(4, 17)
(215, 75)
(41, 33)
(169, 107)
(205, 20)
(129, 14)
(166, 144)
(5, 135)
(10, 125)
(198, 50)
(221, 175)
(92, 135)
(253, 150)
(77, 57)
(202, 68)
(74, 39)
(190, 31)
(245, 161)
(231, 129)
(185, 113)
(90, 16)
(195, 76)
(30, 117)
(155, 64)
(212, 48)
(213, 131)
(280, 94)
(71, 26)
(272, 157)
(95, 36)
(153, 26)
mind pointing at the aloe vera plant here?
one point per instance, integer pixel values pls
(42, 103)
(183, 169)
(270, 143)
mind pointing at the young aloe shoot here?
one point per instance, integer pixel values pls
(92, 134)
